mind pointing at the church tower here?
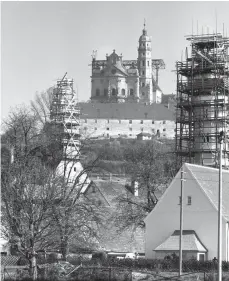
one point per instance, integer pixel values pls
(145, 68)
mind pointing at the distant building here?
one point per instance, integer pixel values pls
(105, 120)
(118, 80)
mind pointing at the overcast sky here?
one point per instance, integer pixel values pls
(43, 40)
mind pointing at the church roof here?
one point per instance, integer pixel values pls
(130, 111)
(190, 240)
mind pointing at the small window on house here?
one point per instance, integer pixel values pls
(130, 121)
(141, 122)
(164, 122)
(164, 130)
(152, 122)
(189, 200)
(108, 129)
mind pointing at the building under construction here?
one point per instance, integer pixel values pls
(203, 101)
(65, 114)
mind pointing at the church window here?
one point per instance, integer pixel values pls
(143, 63)
(143, 84)
(131, 92)
(123, 92)
(113, 92)
(97, 92)
(105, 92)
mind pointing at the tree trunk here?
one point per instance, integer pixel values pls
(34, 266)
(64, 248)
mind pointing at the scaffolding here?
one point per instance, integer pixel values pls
(65, 114)
(203, 101)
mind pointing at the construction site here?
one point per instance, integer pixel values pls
(203, 101)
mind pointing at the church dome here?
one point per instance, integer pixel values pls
(144, 37)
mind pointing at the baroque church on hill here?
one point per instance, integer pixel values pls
(116, 80)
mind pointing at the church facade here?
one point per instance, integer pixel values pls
(118, 81)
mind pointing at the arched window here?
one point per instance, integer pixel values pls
(131, 92)
(97, 92)
(113, 92)
(123, 92)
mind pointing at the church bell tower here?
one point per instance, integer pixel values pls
(145, 67)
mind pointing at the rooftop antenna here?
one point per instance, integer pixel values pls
(144, 23)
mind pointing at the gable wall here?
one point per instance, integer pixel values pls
(200, 217)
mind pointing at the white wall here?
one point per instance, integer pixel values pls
(98, 127)
(201, 217)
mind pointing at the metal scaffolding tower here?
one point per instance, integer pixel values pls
(65, 113)
(203, 101)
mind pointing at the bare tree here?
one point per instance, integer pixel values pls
(150, 167)
(41, 105)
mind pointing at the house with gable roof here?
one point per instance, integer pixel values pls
(200, 216)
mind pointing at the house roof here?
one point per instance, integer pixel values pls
(126, 241)
(190, 242)
(208, 180)
(131, 111)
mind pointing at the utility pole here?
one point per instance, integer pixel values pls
(181, 222)
(221, 136)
